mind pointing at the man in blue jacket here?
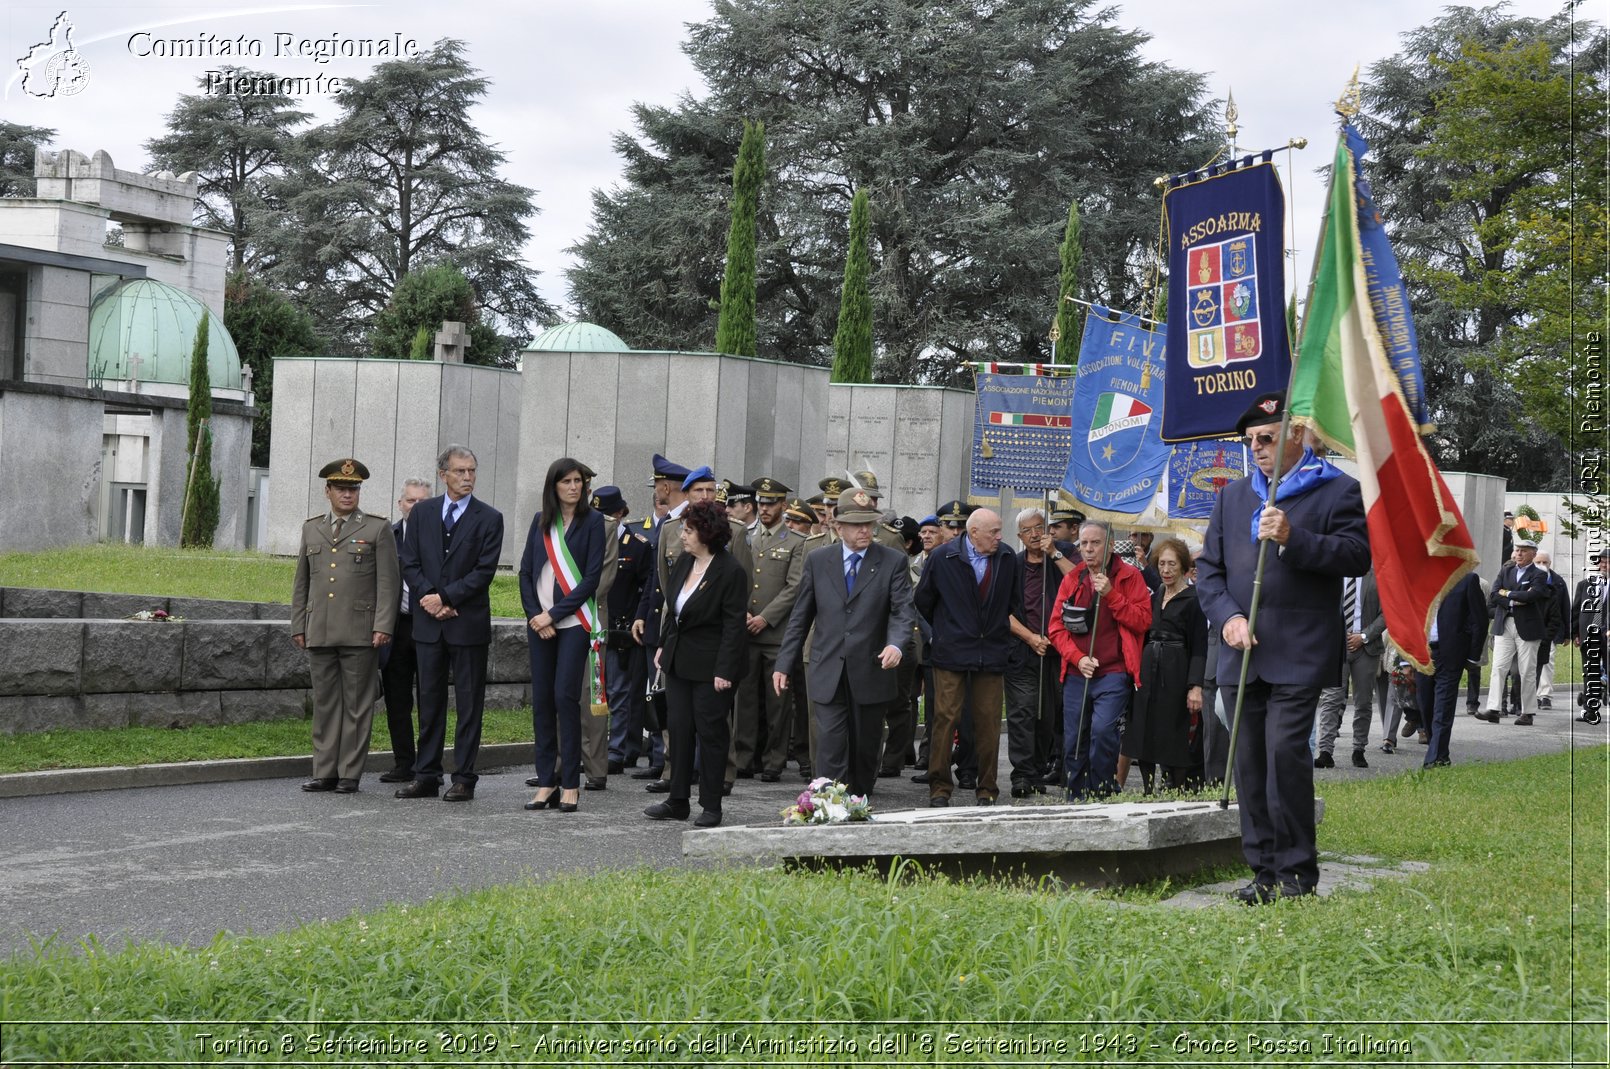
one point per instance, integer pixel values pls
(971, 593)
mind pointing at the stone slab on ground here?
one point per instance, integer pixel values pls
(1337, 872)
(1095, 845)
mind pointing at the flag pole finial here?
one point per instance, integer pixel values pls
(1231, 114)
(1348, 104)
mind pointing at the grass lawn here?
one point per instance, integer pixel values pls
(154, 745)
(116, 568)
(1497, 954)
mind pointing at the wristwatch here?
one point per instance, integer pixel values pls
(1056, 554)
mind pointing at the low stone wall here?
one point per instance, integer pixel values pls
(72, 661)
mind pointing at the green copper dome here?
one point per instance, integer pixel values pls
(156, 322)
(579, 338)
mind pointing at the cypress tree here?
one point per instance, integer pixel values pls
(200, 509)
(852, 342)
(1067, 344)
(735, 331)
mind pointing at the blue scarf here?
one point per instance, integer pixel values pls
(1311, 471)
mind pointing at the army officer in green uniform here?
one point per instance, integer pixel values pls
(343, 609)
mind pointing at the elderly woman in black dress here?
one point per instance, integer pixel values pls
(1165, 723)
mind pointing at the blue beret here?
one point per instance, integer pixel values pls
(698, 475)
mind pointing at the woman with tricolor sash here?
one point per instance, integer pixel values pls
(564, 557)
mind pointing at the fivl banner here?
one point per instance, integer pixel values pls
(1388, 297)
(1197, 471)
(1227, 338)
(1020, 433)
(1117, 459)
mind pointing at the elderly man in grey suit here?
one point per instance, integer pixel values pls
(860, 592)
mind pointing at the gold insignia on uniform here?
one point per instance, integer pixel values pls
(861, 498)
(347, 468)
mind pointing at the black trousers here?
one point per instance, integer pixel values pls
(848, 737)
(697, 715)
(398, 671)
(1274, 777)
(1033, 716)
(469, 689)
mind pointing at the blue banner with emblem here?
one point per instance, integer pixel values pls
(1227, 339)
(1020, 434)
(1117, 458)
(1197, 471)
(1389, 298)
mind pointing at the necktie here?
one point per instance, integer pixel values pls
(983, 584)
(453, 512)
(1349, 601)
(849, 576)
(335, 527)
(403, 608)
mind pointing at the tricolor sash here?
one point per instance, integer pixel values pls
(567, 574)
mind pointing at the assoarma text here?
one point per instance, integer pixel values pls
(1223, 223)
(284, 46)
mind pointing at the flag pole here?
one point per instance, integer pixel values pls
(1346, 106)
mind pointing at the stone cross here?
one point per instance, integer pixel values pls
(246, 381)
(451, 342)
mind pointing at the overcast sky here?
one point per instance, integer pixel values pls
(564, 75)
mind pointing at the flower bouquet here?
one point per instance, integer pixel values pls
(158, 615)
(827, 802)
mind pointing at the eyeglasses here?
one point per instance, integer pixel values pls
(1038, 528)
(1265, 438)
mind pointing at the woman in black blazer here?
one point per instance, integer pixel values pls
(702, 655)
(562, 614)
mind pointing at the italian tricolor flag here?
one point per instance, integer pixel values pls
(1116, 412)
(1345, 388)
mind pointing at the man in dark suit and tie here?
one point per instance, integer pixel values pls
(1319, 536)
(1518, 599)
(1587, 631)
(1363, 625)
(1458, 635)
(398, 664)
(860, 592)
(448, 560)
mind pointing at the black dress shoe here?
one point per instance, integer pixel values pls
(966, 783)
(569, 807)
(709, 818)
(1021, 790)
(346, 786)
(770, 777)
(1524, 720)
(668, 811)
(1291, 891)
(659, 786)
(316, 785)
(888, 773)
(1256, 894)
(806, 773)
(746, 773)
(596, 784)
(459, 792)
(939, 801)
(1324, 760)
(533, 781)
(1358, 759)
(551, 801)
(617, 767)
(398, 775)
(1545, 703)
(726, 789)
(921, 777)
(1489, 716)
(420, 788)
(649, 773)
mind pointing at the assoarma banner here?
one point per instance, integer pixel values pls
(1197, 471)
(1117, 458)
(1226, 299)
(1020, 434)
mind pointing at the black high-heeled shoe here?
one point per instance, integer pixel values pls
(551, 801)
(569, 807)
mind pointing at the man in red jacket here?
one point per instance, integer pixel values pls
(1098, 625)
